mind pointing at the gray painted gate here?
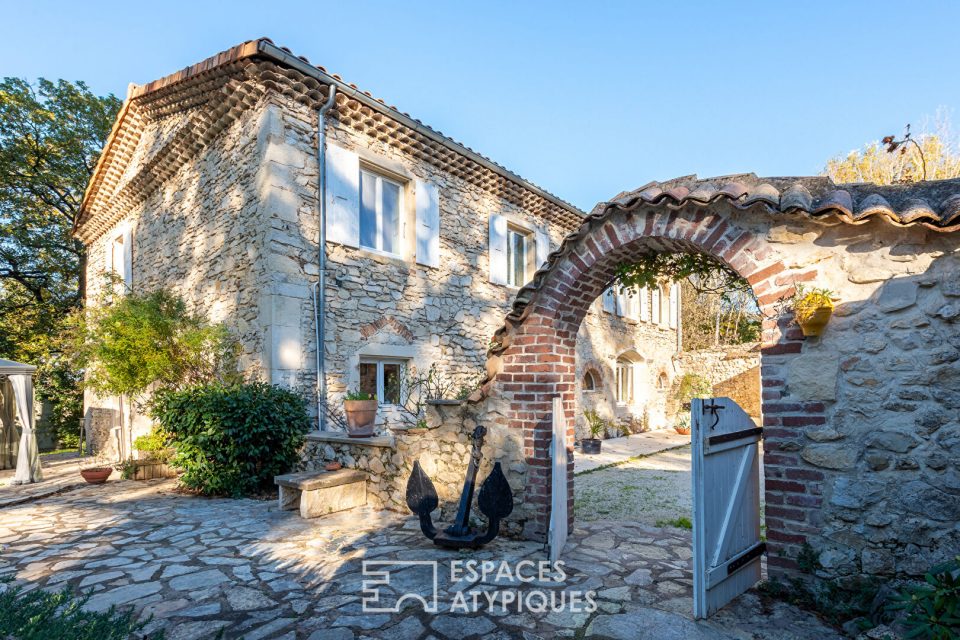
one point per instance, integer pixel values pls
(726, 503)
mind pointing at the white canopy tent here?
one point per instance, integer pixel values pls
(16, 385)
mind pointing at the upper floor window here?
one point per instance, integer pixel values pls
(517, 249)
(120, 257)
(520, 253)
(380, 206)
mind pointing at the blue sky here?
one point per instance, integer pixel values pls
(585, 99)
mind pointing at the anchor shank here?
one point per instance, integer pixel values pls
(461, 524)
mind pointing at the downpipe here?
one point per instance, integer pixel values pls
(320, 286)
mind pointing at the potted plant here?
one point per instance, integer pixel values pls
(361, 410)
(683, 426)
(597, 427)
(812, 309)
(95, 469)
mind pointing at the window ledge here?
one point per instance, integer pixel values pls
(383, 256)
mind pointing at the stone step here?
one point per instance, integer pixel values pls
(317, 493)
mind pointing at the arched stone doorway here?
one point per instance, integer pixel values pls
(532, 358)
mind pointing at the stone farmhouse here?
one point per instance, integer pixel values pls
(208, 186)
(435, 255)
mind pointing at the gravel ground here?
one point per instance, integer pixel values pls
(648, 490)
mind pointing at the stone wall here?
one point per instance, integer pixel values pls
(443, 448)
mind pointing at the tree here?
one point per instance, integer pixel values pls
(51, 135)
(930, 156)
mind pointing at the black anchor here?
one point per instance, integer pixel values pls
(495, 501)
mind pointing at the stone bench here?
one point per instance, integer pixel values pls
(317, 493)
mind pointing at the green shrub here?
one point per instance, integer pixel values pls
(232, 439)
(933, 609)
(46, 615)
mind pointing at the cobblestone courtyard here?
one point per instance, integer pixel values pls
(198, 565)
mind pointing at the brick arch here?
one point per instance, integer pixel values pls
(533, 356)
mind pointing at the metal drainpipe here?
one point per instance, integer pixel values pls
(319, 288)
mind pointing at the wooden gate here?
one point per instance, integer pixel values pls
(726, 503)
(557, 537)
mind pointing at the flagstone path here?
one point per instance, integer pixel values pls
(199, 565)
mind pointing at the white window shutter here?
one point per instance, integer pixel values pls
(609, 301)
(543, 246)
(128, 257)
(655, 305)
(644, 304)
(428, 224)
(343, 196)
(674, 304)
(498, 249)
(631, 303)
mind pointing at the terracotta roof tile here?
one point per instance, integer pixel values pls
(933, 204)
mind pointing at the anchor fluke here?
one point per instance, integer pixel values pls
(422, 499)
(495, 501)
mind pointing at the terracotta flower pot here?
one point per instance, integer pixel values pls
(813, 311)
(590, 445)
(814, 320)
(97, 475)
(361, 414)
(684, 431)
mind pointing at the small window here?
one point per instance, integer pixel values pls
(383, 378)
(624, 388)
(589, 381)
(662, 381)
(119, 257)
(520, 256)
(380, 205)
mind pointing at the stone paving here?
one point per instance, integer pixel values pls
(199, 565)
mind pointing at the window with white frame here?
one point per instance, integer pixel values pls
(520, 255)
(383, 377)
(517, 248)
(120, 257)
(624, 388)
(628, 303)
(381, 201)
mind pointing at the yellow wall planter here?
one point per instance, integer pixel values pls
(812, 310)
